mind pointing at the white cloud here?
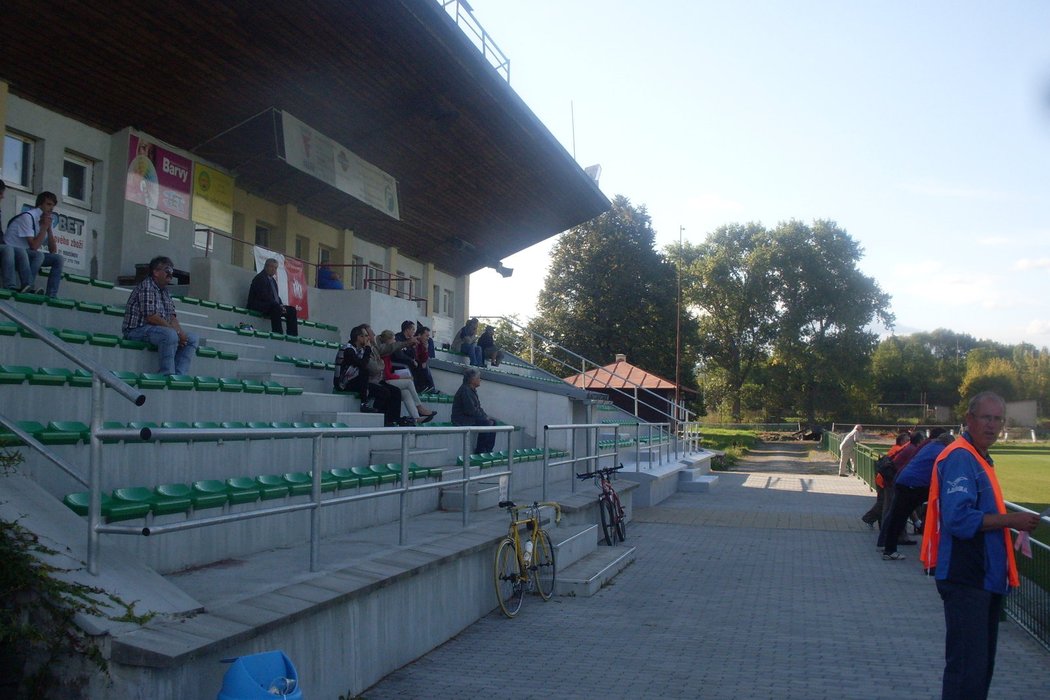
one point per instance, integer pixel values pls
(1037, 327)
(938, 189)
(1032, 264)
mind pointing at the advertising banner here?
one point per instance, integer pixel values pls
(291, 279)
(212, 198)
(314, 153)
(158, 178)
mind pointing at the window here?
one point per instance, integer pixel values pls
(302, 248)
(202, 237)
(18, 161)
(324, 254)
(76, 180)
(436, 299)
(262, 236)
(415, 286)
(402, 284)
(448, 302)
(357, 272)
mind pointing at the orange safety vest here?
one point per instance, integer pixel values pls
(931, 534)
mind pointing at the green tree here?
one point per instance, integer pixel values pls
(828, 306)
(730, 281)
(984, 373)
(608, 291)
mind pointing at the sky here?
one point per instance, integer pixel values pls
(921, 128)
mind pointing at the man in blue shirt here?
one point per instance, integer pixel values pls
(974, 565)
(910, 490)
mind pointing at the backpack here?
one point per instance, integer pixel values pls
(886, 469)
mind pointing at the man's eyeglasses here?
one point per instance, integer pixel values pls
(170, 270)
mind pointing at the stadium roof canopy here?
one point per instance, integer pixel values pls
(394, 81)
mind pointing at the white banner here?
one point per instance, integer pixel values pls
(312, 152)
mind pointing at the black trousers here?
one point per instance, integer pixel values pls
(278, 311)
(387, 399)
(971, 617)
(905, 500)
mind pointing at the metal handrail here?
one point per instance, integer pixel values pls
(100, 377)
(686, 413)
(316, 502)
(464, 17)
(1029, 605)
(593, 452)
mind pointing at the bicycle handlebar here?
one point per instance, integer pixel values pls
(514, 508)
(604, 471)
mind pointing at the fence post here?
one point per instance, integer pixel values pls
(315, 512)
(95, 475)
(466, 476)
(402, 537)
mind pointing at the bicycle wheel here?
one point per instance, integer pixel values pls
(543, 569)
(605, 506)
(510, 585)
(621, 520)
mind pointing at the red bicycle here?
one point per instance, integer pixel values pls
(614, 520)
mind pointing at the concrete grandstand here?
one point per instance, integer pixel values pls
(245, 506)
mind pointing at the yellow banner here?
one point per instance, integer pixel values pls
(212, 198)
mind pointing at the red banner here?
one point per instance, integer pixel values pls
(297, 295)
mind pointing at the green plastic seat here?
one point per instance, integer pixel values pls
(302, 363)
(102, 283)
(385, 475)
(129, 504)
(222, 306)
(278, 336)
(240, 310)
(172, 498)
(104, 340)
(272, 486)
(8, 328)
(274, 388)
(293, 391)
(282, 425)
(60, 303)
(29, 298)
(129, 378)
(77, 279)
(201, 383)
(261, 334)
(129, 344)
(81, 501)
(244, 331)
(365, 476)
(234, 425)
(63, 433)
(253, 386)
(205, 351)
(14, 374)
(89, 307)
(346, 478)
(299, 483)
(181, 382)
(302, 424)
(209, 493)
(242, 489)
(230, 384)
(206, 425)
(259, 425)
(83, 430)
(113, 310)
(111, 425)
(140, 424)
(328, 482)
(152, 380)
(194, 301)
(50, 377)
(80, 378)
(227, 355)
(176, 424)
(208, 304)
(283, 358)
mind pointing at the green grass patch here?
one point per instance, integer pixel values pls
(1024, 473)
(735, 444)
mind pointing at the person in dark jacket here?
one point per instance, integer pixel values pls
(264, 298)
(467, 410)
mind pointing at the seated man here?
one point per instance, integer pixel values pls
(12, 257)
(31, 230)
(150, 316)
(327, 278)
(489, 350)
(264, 298)
(466, 410)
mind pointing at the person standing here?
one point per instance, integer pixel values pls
(264, 298)
(32, 231)
(847, 449)
(150, 316)
(966, 540)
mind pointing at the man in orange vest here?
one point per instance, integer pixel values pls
(967, 541)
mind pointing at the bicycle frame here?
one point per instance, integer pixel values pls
(531, 566)
(613, 517)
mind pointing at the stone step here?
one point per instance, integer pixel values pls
(700, 484)
(481, 495)
(572, 543)
(587, 576)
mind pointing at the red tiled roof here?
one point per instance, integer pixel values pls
(618, 375)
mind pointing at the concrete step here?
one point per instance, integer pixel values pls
(701, 483)
(481, 495)
(572, 543)
(587, 576)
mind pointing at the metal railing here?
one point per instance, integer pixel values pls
(1028, 605)
(100, 378)
(316, 501)
(665, 407)
(463, 14)
(592, 453)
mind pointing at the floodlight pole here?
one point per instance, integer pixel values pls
(678, 334)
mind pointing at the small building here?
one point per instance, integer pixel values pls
(633, 389)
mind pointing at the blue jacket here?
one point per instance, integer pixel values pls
(966, 555)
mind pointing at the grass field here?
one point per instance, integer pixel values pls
(1024, 473)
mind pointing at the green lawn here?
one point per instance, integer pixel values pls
(1024, 473)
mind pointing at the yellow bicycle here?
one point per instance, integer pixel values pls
(523, 565)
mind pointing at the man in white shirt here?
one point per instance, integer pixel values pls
(33, 232)
(12, 257)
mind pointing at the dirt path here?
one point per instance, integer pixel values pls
(788, 458)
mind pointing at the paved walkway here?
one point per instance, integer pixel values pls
(767, 587)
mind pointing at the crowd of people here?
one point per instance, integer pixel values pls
(966, 539)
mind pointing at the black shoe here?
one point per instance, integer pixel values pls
(907, 542)
(425, 419)
(368, 409)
